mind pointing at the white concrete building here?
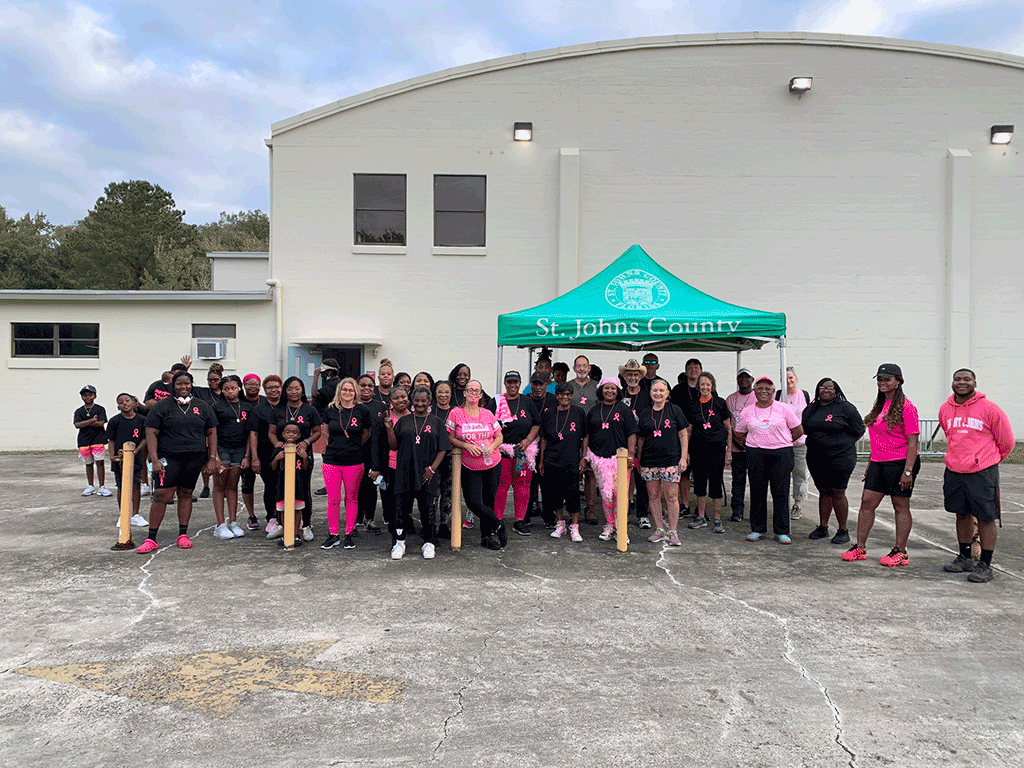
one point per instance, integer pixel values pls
(873, 209)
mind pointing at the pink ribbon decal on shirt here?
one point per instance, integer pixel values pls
(667, 424)
(135, 433)
(615, 417)
(195, 411)
(829, 417)
(426, 428)
(522, 414)
(560, 436)
(355, 422)
(710, 412)
(572, 427)
(245, 415)
(300, 420)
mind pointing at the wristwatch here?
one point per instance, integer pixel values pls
(908, 473)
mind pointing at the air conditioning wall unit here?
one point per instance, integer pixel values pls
(211, 349)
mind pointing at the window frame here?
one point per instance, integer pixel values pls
(57, 339)
(356, 210)
(482, 211)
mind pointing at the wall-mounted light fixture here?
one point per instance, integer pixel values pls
(1001, 134)
(522, 132)
(800, 84)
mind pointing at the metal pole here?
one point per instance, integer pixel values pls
(289, 496)
(621, 499)
(497, 386)
(456, 499)
(782, 365)
(124, 535)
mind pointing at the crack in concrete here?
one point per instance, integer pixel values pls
(446, 726)
(788, 656)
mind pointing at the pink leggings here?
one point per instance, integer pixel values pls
(520, 484)
(334, 478)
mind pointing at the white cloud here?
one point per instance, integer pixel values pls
(39, 141)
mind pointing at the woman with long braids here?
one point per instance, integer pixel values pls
(294, 408)
(442, 390)
(833, 426)
(367, 488)
(520, 425)
(348, 427)
(477, 432)
(894, 430)
(383, 462)
(610, 425)
(663, 448)
(710, 450)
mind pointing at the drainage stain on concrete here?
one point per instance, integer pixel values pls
(216, 683)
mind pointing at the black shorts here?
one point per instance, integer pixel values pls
(137, 470)
(831, 472)
(972, 493)
(231, 456)
(182, 470)
(884, 478)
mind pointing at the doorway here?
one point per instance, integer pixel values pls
(350, 359)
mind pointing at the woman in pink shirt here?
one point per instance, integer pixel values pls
(893, 429)
(767, 429)
(477, 432)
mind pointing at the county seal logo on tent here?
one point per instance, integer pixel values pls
(636, 289)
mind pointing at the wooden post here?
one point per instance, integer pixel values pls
(124, 535)
(621, 499)
(456, 499)
(289, 496)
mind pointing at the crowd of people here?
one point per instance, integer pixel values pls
(389, 438)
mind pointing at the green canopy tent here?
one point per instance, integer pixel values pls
(636, 304)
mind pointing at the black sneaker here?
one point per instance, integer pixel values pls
(298, 542)
(737, 517)
(253, 524)
(842, 537)
(321, 492)
(502, 533)
(331, 541)
(960, 565)
(818, 533)
(349, 544)
(374, 528)
(489, 543)
(982, 572)
(204, 494)
(521, 528)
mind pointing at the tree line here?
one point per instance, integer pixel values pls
(133, 238)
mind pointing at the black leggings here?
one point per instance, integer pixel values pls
(708, 463)
(269, 477)
(480, 486)
(425, 501)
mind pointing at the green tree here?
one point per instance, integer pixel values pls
(177, 269)
(31, 256)
(116, 243)
(242, 231)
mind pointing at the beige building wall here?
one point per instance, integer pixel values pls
(834, 207)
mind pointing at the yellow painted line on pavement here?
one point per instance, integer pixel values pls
(217, 683)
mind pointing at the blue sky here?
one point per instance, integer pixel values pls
(182, 94)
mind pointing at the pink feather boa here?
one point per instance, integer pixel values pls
(605, 470)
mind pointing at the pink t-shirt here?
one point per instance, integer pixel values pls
(797, 402)
(768, 427)
(480, 431)
(737, 403)
(891, 444)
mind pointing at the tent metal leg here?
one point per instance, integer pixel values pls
(782, 364)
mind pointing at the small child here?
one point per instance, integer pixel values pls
(128, 426)
(89, 421)
(290, 434)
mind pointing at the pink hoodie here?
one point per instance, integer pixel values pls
(978, 433)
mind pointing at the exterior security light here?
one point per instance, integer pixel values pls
(522, 132)
(800, 84)
(1001, 134)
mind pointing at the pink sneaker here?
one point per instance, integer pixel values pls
(147, 546)
(895, 559)
(574, 533)
(673, 539)
(854, 553)
(559, 531)
(658, 535)
(184, 542)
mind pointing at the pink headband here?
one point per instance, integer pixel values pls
(250, 377)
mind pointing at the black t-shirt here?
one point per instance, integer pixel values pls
(376, 410)
(259, 421)
(122, 430)
(609, 427)
(305, 416)
(564, 432)
(660, 431)
(90, 435)
(637, 403)
(324, 396)
(420, 439)
(232, 423)
(182, 427)
(833, 429)
(157, 391)
(685, 397)
(524, 417)
(345, 434)
(709, 423)
(205, 394)
(547, 403)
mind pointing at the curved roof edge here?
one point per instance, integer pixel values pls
(640, 43)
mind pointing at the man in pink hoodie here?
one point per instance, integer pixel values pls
(978, 437)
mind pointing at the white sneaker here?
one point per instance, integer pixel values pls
(398, 551)
(223, 532)
(574, 533)
(145, 489)
(102, 491)
(559, 531)
(89, 491)
(139, 521)
(428, 551)
(307, 533)
(607, 533)
(237, 530)
(274, 529)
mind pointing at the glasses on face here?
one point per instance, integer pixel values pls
(826, 388)
(564, 394)
(651, 362)
(473, 391)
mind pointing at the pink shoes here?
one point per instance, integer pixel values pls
(147, 546)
